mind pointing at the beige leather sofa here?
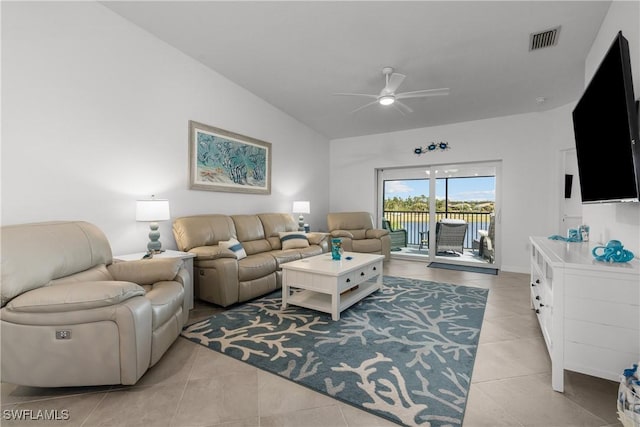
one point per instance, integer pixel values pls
(223, 279)
(72, 317)
(358, 233)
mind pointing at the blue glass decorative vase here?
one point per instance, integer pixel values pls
(336, 249)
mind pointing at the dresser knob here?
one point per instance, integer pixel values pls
(348, 280)
(537, 311)
(533, 284)
(538, 297)
(541, 305)
(362, 274)
(538, 281)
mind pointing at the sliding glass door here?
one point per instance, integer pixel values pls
(443, 213)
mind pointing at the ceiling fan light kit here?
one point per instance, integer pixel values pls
(388, 95)
(387, 100)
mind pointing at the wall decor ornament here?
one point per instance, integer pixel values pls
(433, 146)
(220, 160)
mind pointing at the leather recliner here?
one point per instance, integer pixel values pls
(72, 317)
(358, 233)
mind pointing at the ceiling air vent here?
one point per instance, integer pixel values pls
(544, 38)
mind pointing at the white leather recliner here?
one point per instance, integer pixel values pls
(358, 233)
(72, 317)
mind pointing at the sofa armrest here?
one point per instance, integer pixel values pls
(316, 238)
(376, 233)
(341, 233)
(212, 252)
(320, 239)
(145, 271)
(75, 296)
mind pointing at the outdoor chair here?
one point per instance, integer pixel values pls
(486, 245)
(450, 235)
(398, 237)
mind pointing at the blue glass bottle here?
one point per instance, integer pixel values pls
(336, 249)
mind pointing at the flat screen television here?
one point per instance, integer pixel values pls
(605, 125)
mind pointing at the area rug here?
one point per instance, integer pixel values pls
(468, 268)
(404, 353)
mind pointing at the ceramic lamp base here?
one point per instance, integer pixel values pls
(154, 245)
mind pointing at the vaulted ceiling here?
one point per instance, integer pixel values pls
(297, 54)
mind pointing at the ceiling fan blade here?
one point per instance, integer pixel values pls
(364, 106)
(401, 106)
(368, 95)
(394, 82)
(423, 93)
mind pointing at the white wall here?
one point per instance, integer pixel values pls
(619, 221)
(528, 146)
(95, 116)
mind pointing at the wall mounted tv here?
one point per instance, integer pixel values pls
(605, 125)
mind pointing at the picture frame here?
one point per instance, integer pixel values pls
(220, 160)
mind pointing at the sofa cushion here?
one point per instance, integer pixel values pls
(283, 257)
(202, 230)
(255, 266)
(234, 246)
(293, 240)
(366, 245)
(310, 251)
(275, 223)
(75, 296)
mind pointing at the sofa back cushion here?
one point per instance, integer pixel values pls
(355, 222)
(37, 253)
(250, 233)
(202, 230)
(98, 273)
(276, 223)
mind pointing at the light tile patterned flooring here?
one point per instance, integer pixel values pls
(194, 386)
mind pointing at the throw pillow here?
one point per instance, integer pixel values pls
(234, 246)
(293, 240)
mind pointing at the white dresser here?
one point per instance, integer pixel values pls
(589, 311)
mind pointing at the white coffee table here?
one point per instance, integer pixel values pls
(322, 284)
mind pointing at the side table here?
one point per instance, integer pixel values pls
(187, 263)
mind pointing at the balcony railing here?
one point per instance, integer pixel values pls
(417, 222)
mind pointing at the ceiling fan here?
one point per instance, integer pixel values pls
(388, 95)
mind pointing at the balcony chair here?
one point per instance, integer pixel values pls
(450, 235)
(398, 237)
(486, 245)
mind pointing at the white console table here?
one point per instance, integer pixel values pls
(589, 311)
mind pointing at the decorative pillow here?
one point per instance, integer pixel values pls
(293, 240)
(234, 246)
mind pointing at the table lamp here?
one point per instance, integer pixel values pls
(301, 207)
(153, 210)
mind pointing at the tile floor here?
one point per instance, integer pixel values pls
(194, 386)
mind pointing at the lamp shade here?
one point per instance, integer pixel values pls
(301, 207)
(152, 210)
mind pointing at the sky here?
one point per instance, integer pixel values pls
(476, 188)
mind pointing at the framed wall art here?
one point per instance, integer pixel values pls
(220, 160)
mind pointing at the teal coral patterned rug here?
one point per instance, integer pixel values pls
(404, 353)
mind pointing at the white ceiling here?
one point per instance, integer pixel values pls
(296, 54)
